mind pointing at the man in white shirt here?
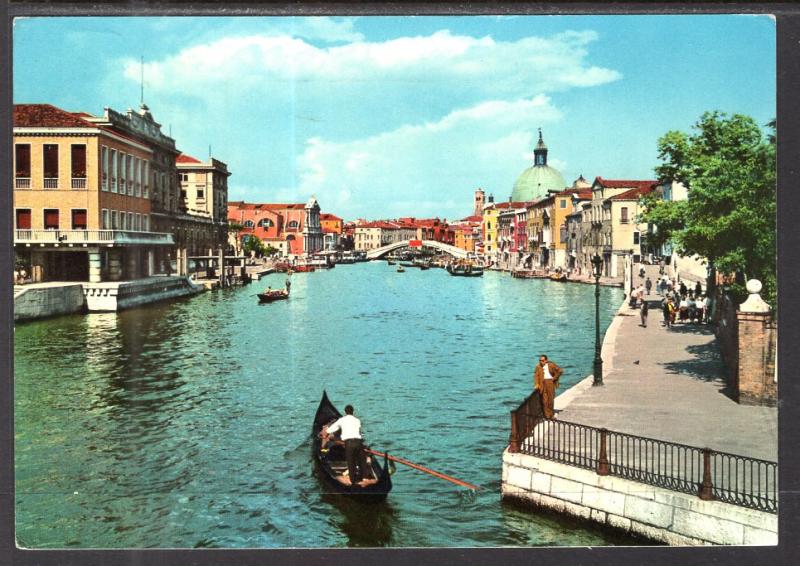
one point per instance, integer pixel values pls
(353, 444)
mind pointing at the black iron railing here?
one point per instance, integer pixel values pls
(743, 481)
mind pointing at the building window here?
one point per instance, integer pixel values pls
(79, 219)
(50, 166)
(22, 168)
(265, 223)
(51, 219)
(23, 219)
(183, 193)
(200, 194)
(624, 215)
(114, 220)
(104, 173)
(138, 222)
(293, 224)
(114, 165)
(636, 238)
(185, 177)
(146, 178)
(137, 177)
(248, 224)
(130, 221)
(145, 222)
(104, 219)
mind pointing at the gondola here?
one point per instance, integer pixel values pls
(270, 296)
(332, 464)
(464, 271)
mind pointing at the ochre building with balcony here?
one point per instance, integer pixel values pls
(82, 191)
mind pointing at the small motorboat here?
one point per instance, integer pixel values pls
(304, 268)
(271, 296)
(401, 269)
(390, 262)
(331, 462)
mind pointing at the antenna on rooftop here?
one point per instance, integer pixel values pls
(141, 82)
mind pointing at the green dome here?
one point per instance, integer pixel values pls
(535, 181)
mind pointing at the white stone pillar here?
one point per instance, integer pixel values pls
(114, 265)
(95, 266)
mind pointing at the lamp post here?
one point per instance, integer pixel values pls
(597, 264)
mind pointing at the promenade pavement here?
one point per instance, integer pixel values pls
(669, 384)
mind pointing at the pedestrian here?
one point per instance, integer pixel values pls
(643, 314)
(698, 290)
(353, 444)
(661, 267)
(288, 284)
(666, 312)
(706, 309)
(545, 381)
(683, 288)
(692, 307)
(648, 285)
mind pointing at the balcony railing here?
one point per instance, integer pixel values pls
(106, 237)
(51, 182)
(79, 182)
(22, 183)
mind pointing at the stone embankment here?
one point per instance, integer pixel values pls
(44, 300)
(664, 384)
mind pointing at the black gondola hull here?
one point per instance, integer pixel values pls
(325, 462)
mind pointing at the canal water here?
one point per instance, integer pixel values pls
(187, 424)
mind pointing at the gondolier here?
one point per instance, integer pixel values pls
(350, 428)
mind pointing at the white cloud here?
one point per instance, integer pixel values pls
(416, 169)
(364, 123)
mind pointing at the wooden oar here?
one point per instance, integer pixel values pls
(423, 469)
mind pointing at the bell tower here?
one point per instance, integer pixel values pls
(479, 199)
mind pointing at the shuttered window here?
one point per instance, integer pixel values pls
(79, 219)
(50, 161)
(78, 154)
(23, 219)
(50, 219)
(23, 160)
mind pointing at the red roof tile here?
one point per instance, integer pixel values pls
(46, 116)
(328, 216)
(183, 158)
(624, 183)
(634, 194)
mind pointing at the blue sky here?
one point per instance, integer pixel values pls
(382, 117)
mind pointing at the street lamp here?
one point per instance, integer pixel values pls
(597, 264)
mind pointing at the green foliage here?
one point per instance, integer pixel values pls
(728, 167)
(253, 244)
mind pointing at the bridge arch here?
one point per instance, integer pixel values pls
(446, 248)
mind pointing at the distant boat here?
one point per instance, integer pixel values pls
(462, 270)
(304, 268)
(407, 264)
(270, 296)
(400, 269)
(390, 262)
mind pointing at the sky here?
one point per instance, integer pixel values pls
(382, 117)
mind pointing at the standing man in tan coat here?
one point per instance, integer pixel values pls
(545, 381)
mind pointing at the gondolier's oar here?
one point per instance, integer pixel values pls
(423, 469)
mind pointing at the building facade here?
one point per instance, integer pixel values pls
(293, 229)
(204, 195)
(82, 199)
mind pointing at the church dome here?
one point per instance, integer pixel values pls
(536, 181)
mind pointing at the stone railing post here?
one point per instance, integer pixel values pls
(756, 380)
(706, 492)
(513, 445)
(602, 461)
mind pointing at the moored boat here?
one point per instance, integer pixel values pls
(332, 464)
(304, 268)
(400, 269)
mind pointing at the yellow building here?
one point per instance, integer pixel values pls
(610, 229)
(490, 214)
(204, 196)
(81, 199)
(539, 231)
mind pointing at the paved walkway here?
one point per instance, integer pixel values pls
(668, 384)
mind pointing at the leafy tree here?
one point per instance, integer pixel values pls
(728, 167)
(252, 243)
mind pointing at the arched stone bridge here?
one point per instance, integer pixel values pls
(446, 248)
